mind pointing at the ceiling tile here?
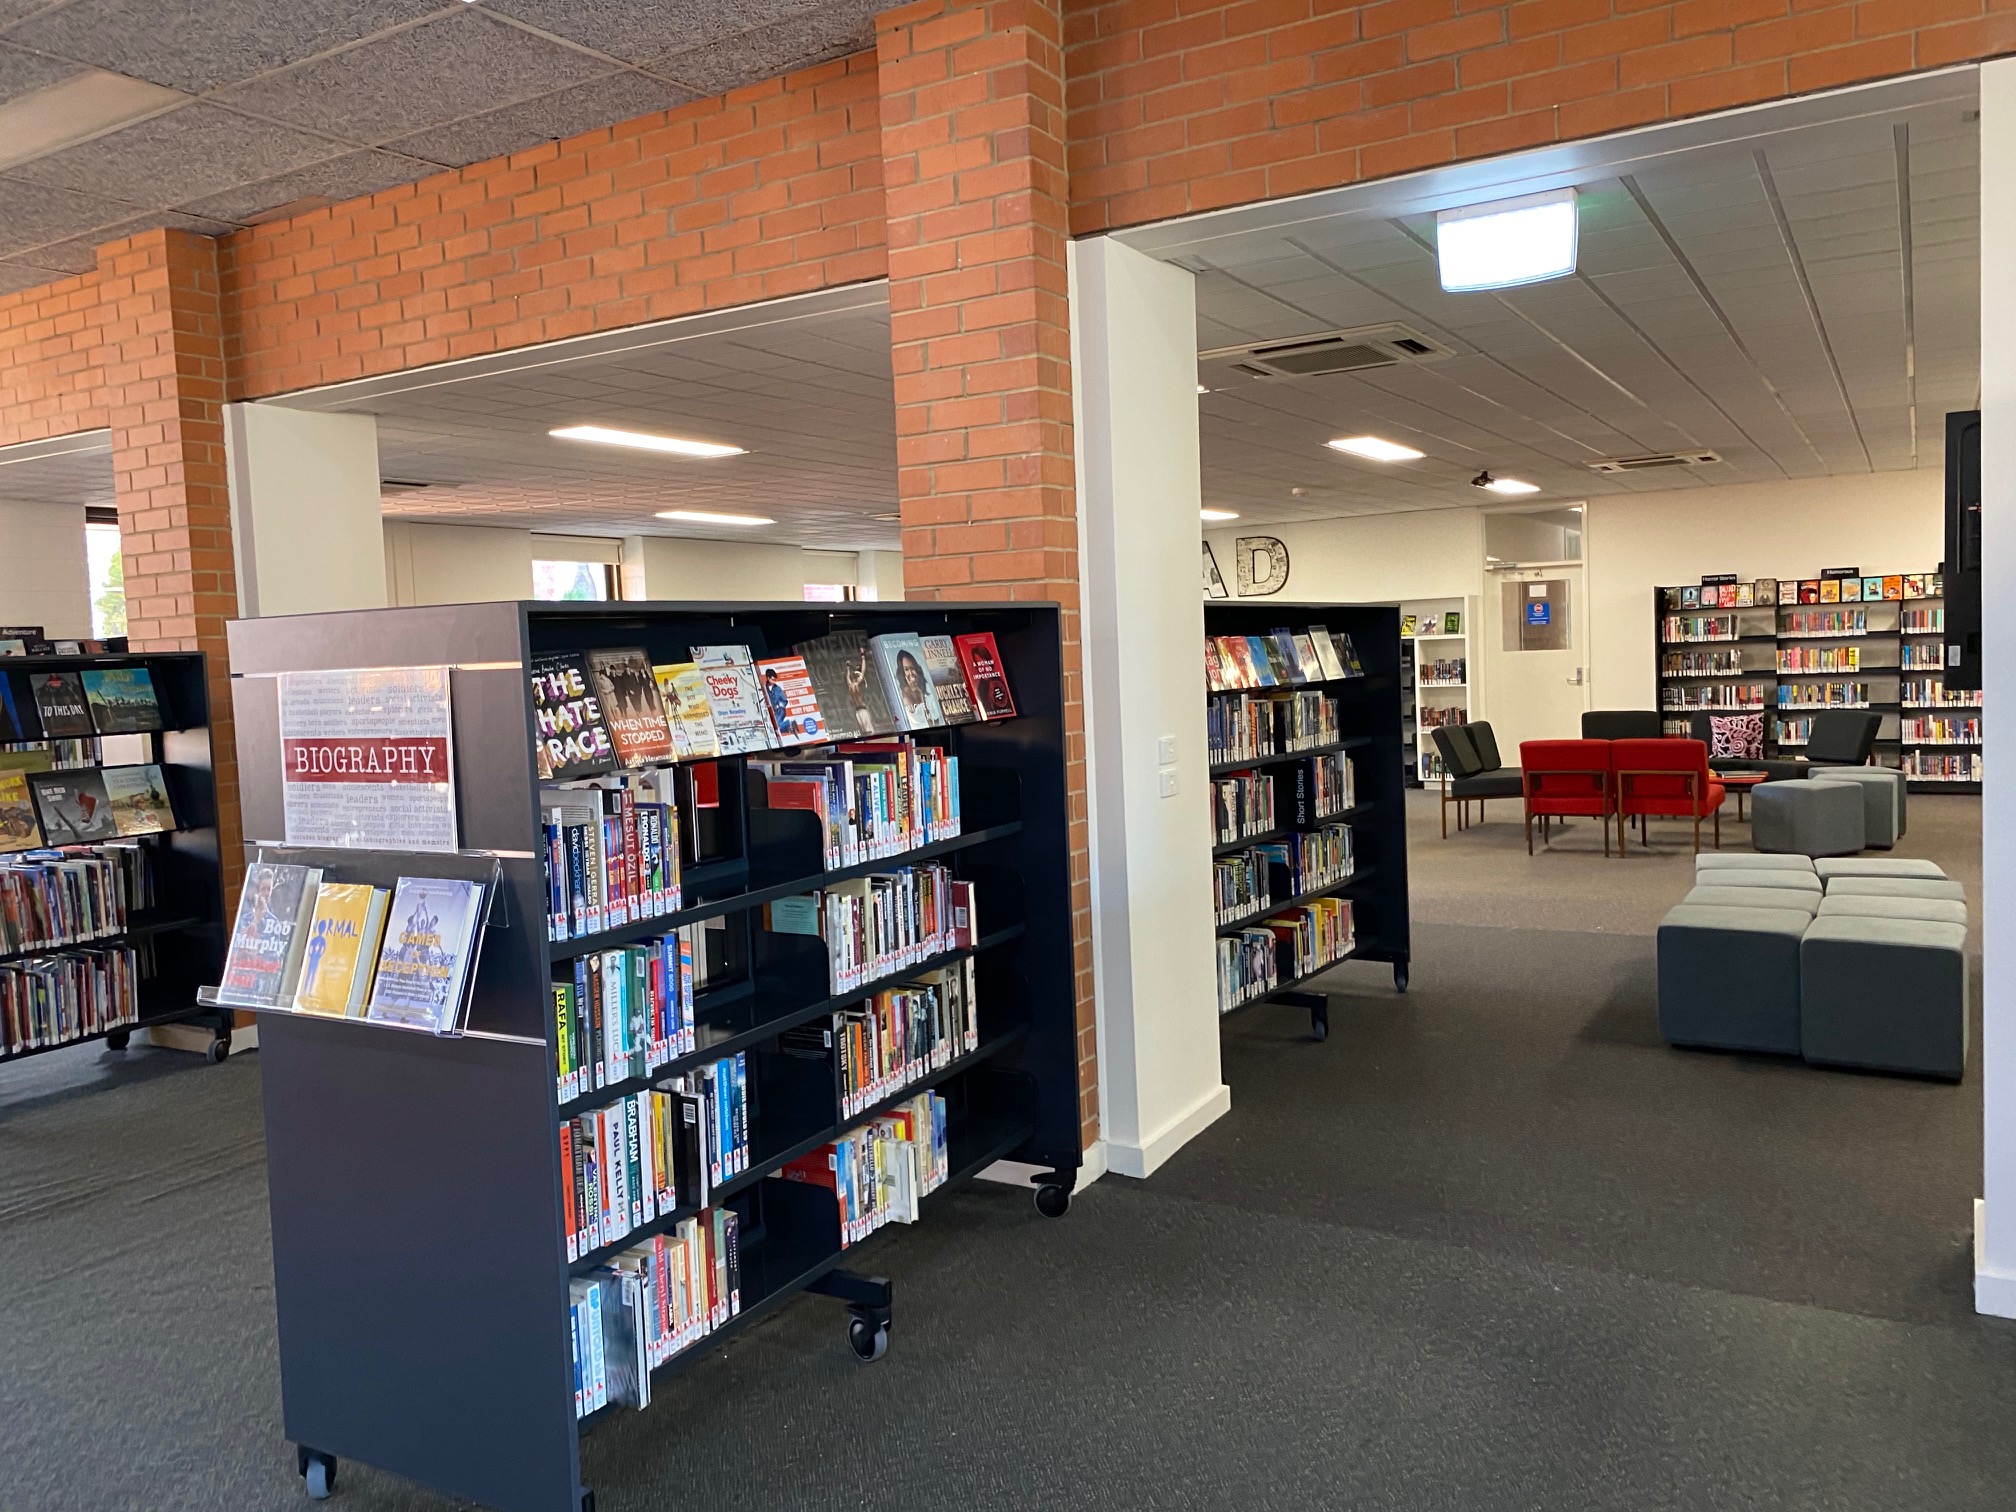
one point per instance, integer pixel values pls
(564, 113)
(183, 155)
(35, 214)
(80, 254)
(23, 72)
(633, 32)
(17, 276)
(833, 31)
(349, 176)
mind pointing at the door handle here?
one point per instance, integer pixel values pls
(1576, 680)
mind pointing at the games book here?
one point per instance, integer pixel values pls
(431, 937)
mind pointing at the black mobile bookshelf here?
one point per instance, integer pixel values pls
(1372, 731)
(180, 939)
(419, 1252)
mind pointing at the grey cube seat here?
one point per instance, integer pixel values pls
(1882, 800)
(1706, 895)
(1884, 995)
(1729, 977)
(1811, 818)
(1938, 910)
(1830, 867)
(1782, 879)
(1896, 887)
(1720, 861)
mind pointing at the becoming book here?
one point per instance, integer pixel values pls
(948, 683)
(899, 660)
(570, 737)
(122, 700)
(75, 808)
(59, 700)
(631, 707)
(265, 955)
(741, 722)
(430, 945)
(139, 799)
(344, 933)
(985, 678)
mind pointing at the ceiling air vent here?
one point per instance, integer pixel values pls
(1654, 461)
(1354, 351)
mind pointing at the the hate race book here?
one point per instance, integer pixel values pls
(571, 739)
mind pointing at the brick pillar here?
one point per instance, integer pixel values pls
(975, 186)
(163, 372)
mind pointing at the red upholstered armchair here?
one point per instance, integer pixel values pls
(1666, 779)
(1567, 777)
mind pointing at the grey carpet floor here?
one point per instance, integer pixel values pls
(1490, 1247)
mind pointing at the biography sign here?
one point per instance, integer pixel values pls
(367, 758)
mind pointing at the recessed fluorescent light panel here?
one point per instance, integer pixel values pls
(81, 107)
(1217, 514)
(1506, 243)
(643, 441)
(1511, 486)
(711, 517)
(1375, 450)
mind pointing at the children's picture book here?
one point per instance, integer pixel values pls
(1851, 590)
(344, 933)
(17, 714)
(1690, 597)
(431, 936)
(74, 807)
(1765, 591)
(19, 828)
(571, 738)
(631, 707)
(986, 678)
(1893, 585)
(139, 798)
(61, 706)
(1872, 589)
(899, 661)
(1452, 622)
(1809, 590)
(122, 700)
(684, 693)
(1788, 591)
(735, 697)
(264, 957)
(1407, 623)
(793, 706)
(1830, 590)
(1914, 585)
(948, 683)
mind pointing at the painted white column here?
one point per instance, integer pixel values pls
(307, 526)
(1134, 367)
(880, 575)
(1995, 1220)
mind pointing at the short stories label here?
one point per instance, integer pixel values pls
(400, 759)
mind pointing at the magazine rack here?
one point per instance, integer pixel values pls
(419, 1250)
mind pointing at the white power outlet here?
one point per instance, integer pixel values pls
(1168, 775)
(1165, 750)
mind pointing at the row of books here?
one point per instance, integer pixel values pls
(650, 1303)
(1245, 882)
(1242, 805)
(1449, 622)
(1281, 658)
(612, 852)
(649, 1154)
(1315, 935)
(1820, 659)
(1933, 693)
(82, 806)
(626, 1012)
(1328, 783)
(49, 899)
(1923, 655)
(874, 799)
(883, 923)
(1249, 967)
(1684, 629)
(881, 1172)
(1433, 718)
(1922, 621)
(1933, 766)
(1443, 670)
(77, 705)
(1246, 727)
(1701, 664)
(897, 1037)
(1827, 590)
(1824, 624)
(1832, 695)
(51, 755)
(55, 999)
(402, 955)
(1934, 730)
(1239, 885)
(1727, 696)
(614, 707)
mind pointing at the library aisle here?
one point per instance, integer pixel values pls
(1494, 1246)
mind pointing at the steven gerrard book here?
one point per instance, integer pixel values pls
(571, 739)
(986, 679)
(430, 947)
(632, 709)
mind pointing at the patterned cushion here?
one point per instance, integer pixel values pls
(1739, 736)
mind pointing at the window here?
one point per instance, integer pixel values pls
(572, 582)
(108, 578)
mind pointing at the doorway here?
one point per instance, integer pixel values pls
(1535, 630)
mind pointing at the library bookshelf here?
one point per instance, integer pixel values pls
(179, 937)
(1371, 736)
(419, 1246)
(1442, 672)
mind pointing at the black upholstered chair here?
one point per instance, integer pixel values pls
(1471, 770)
(1841, 737)
(1622, 724)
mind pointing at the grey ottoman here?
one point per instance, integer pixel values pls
(1882, 800)
(1809, 818)
(1938, 910)
(1763, 881)
(1709, 861)
(1875, 866)
(1896, 887)
(1729, 977)
(1885, 995)
(1706, 895)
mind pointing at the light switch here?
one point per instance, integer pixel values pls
(1168, 782)
(1165, 750)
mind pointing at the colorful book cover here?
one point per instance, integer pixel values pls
(1743, 596)
(19, 828)
(1830, 590)
(1235, 659)
(735, 698)
(139, 798)
(344, 934)
(986, 678)
(684, 693)
(1893, 585)
(631, 707)
(948, 683)
(1872, 589)
(793, 705)
(264, 953)
(122, 700)
(1728, 595)
(571, 739)
(1690, 597)
(1851, 590)
(899, 661)
(1407, 622)
(60, 703)
(1914, 585)
(1809, 590)
(1214, 672)
(430, 946)
(1262, 657)
(1788, 591)
(1452, 622)
(17, 715)
(74, 807)
(1307, 663)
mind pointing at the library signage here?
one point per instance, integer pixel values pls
(1716, 579)
(1261, 563)
(1840, 572)
(367, 758)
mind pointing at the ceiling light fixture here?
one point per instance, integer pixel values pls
(1373, 449)
(1202, 390)
(1217, 514)
(713, 517)
(76, 110)
(643, 441)
(1506, 243)
(1503, 485)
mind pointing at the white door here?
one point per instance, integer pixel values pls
(1534, 634)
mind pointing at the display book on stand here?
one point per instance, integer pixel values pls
(111, 895)
(1308, 824)
(767, 939)
(1786, 647)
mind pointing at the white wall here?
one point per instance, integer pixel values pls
(455, 564)
(306, 517)
(880, 575)
(670, 567)
(45, 578)
(1371, 559)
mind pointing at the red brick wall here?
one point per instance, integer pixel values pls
(1178, 106)
(49, 361)
(973, 167)
(770, 190)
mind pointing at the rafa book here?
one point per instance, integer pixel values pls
(571, 739)
(344, 933)
(265, 953)
(632, 708)
(430, 944)
(59, 700)
(122, 700)
(986, 679)
(948, 683)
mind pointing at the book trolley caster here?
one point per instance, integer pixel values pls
(1319, 1022)
(1053, 1194)
(118, 1039)
(1399, 976)
(218, 1049)
(318, 1470)
(868, 1300)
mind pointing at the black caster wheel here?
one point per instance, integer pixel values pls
(868, 1340)
(1320, 1029)
(1053, 1199)
(219, 1048)
(118, 1039)
(1399, 977)
(319, 1471)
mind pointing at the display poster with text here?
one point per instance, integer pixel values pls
(367, 758)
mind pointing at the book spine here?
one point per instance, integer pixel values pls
(633, 879)
(577, 880)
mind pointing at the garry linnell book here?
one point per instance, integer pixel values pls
(986, 680)
(122, 700)
(139, 798)
(793, 706)
(741, 721)
(19, 828)
(265, 953)
(572, 740)
(74, 807)
(431, 935)
(948, 682)
(631, 706)
(344, 933)
(899, 662)
(59, 701)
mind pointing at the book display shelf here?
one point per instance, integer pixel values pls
(429, 1259)
(1785, 648)
(1437, 632)
(1309, 850)
(118, 922)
